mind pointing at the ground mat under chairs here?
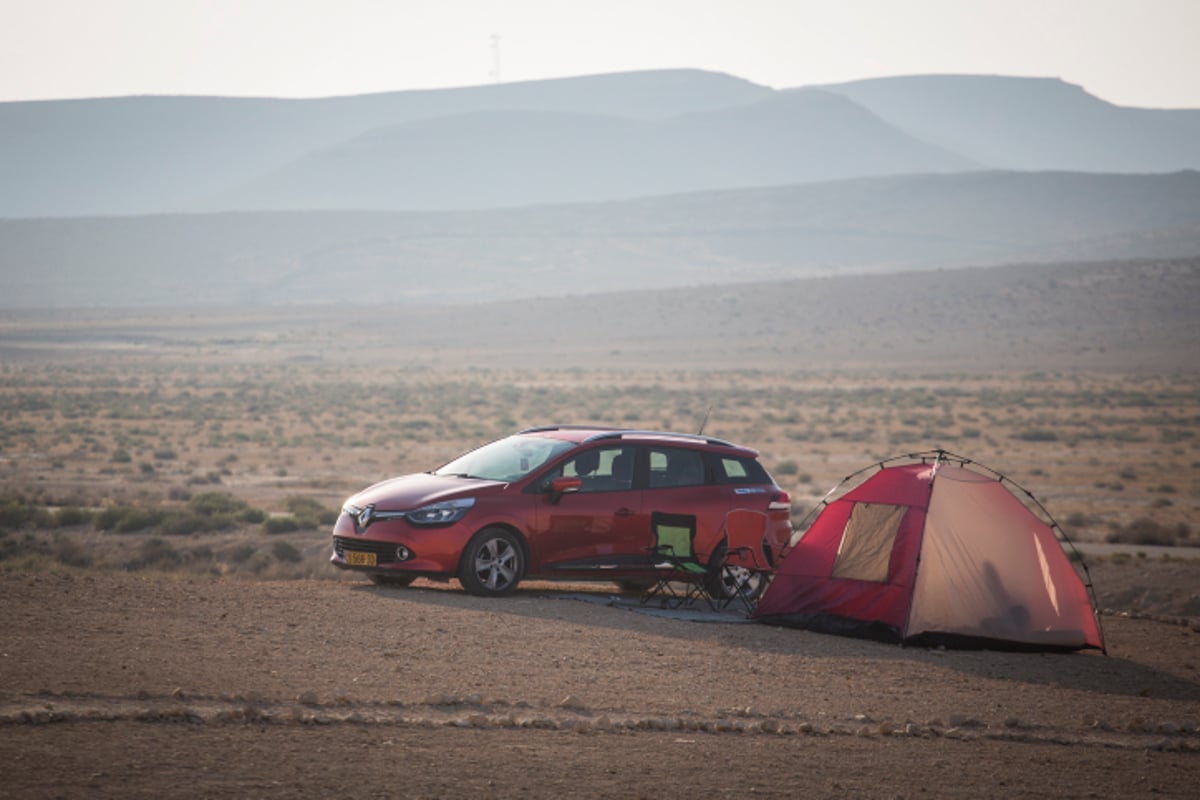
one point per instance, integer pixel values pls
(688, 612)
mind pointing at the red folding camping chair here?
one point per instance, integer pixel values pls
(747, 567)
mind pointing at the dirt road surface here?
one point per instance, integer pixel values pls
(161, 686)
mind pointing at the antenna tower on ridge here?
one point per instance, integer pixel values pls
(495, 73)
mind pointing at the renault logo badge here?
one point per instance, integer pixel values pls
(365, 516)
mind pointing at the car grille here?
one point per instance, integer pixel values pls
(385, 552)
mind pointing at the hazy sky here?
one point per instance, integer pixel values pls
(1131, 52)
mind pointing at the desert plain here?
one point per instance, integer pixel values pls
(172, 626)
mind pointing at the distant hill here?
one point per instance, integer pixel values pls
(495, 159)
(915, 222)
(584, 139)
(1031, 123)
(137, 155)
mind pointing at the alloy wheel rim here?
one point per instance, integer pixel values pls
(739, 580)
(496, 564)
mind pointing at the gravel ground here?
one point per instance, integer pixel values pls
(154, 686)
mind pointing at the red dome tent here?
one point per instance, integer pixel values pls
(934, 549)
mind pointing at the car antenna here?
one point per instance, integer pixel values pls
(704, 422)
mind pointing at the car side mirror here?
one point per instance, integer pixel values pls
(557, 487)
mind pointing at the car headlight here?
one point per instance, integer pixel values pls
(441, 513)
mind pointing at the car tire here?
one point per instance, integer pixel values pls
(493, 563)
(726, 584)
(393, 581)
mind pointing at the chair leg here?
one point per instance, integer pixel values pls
(664, 592)
(739, 584)
(696, 590)
(670, 597)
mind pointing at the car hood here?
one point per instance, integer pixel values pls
(413, 491)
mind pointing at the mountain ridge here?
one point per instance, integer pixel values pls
(152, 154)
(512, 158)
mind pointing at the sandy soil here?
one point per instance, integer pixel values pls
(152, 686)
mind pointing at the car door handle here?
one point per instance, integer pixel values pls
(625, 512)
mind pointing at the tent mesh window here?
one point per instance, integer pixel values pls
(866, 548)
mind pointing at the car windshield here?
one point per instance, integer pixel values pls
(507, 459)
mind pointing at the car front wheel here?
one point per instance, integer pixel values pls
(493, 563)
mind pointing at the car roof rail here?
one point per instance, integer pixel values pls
(689, 437)
(609, 432)
(544, 428)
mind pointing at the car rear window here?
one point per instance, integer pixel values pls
(740, 470)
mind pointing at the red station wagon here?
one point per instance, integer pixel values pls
(560, 502)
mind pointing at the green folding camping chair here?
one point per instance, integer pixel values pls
(673, 552)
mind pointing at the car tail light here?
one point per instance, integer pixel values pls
(781, 501)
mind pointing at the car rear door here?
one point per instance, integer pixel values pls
(679, 482)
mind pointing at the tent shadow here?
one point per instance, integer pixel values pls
(1084, 672)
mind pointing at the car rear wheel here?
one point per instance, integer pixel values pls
(728, 583)
(395, 581)
(493, 563)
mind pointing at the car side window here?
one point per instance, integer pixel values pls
(602, 469)
(740, 470)
(671, 466)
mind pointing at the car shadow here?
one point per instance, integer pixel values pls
(601, 605)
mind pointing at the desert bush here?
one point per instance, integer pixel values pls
(1077, 519)
(242, 553)
(281, 524)
(1036, 435)
(253, 516)
(788, 467)
(15, 512)
(120, 457)
(139, 519)
(67, 516)
(127, 519)
(1143, 530)
(157, 551)
(72, 553)
(285, 551)
(213, 503)
(185, 523)
(309, 513)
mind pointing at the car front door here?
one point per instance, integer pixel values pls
(599, 527)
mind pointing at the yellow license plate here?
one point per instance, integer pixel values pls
(360, 559)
